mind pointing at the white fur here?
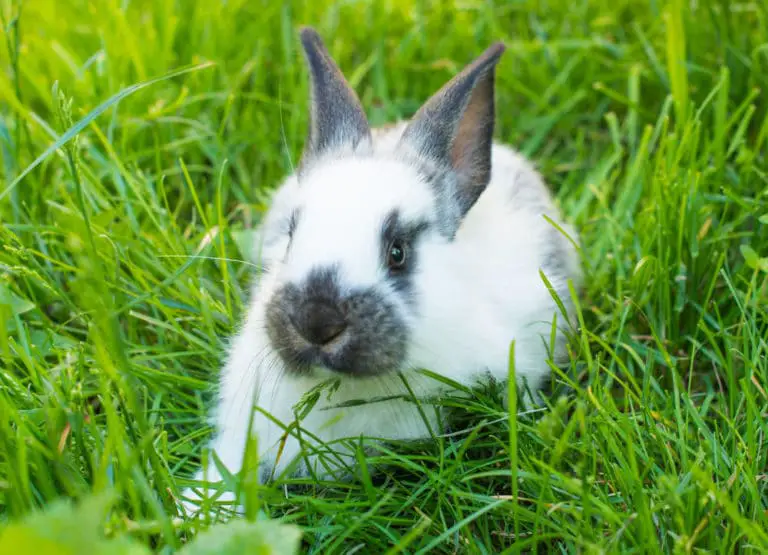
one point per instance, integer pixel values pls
(475, 295)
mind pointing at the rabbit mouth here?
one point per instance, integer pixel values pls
(346, 354)
(312, 357)
(326, 355)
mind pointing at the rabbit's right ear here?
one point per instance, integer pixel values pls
(337, 119)
(453, 130)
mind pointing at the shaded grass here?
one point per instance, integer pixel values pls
(121, 270)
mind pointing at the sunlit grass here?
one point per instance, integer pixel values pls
(126, 213)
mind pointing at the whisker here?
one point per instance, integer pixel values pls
(283, 137)
(218, 258)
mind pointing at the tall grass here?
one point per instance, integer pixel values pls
(140, 141)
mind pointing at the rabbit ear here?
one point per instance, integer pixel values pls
(337, 119)
(454, 128)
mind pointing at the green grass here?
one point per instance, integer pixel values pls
(121, 272)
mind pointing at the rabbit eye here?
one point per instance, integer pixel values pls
(396, 255)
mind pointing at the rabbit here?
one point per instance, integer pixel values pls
(418, 245)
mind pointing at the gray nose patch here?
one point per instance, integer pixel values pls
(358, 333)
(319, 321)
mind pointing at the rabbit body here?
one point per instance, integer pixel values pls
(469, 286)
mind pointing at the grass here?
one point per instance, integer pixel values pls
(126, 212)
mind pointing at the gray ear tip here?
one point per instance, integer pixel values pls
(308, 33)
(310, 38)
(494, 52)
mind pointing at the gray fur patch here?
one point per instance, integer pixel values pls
(555, 263)
(532, 195)
(441, 181)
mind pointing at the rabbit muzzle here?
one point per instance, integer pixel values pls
(317, 323)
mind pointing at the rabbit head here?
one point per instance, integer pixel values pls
(361, 219)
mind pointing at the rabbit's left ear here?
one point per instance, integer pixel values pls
(453, 130)
(337, 119)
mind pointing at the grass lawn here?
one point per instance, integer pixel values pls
(140, 141)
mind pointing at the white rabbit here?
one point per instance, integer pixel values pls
(415, 246)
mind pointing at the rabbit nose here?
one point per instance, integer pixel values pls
(319, 322)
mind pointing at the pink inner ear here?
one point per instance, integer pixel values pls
(466, 151)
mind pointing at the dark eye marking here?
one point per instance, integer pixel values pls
(397, 239)
(288, 227)
(293, 221)
(398, 252)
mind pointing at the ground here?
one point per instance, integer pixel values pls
(139, 144)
